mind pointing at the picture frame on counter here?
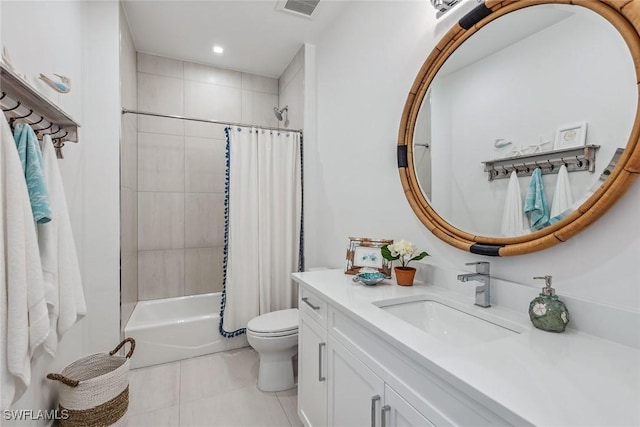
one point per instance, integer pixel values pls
(365, 252)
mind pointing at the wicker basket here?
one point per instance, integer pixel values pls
(94, 390)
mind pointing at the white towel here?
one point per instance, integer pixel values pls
(25, 323)
(513, 218)
(63, 284)
(562, 197)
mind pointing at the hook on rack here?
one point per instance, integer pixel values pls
(39, 121)
(578, 162)
(19, 103)
(526, 168)
(23, 117)
(48, 127)
(60, 138)
(551, 165)
(58, 147)
(563, 162)
(504, 170)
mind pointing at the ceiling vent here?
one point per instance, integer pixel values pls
(298, 7)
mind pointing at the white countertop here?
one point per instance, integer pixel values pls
(548, 379)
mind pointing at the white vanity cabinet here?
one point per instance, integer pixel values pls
(335, 388)
(359, 397)
(361, 365)
(349, 376)
(397, 412)
(356, 393)
(312, 361)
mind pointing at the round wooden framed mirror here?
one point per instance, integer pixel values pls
(493, 147)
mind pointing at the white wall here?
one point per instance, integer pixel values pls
(128, 174)
(365, 68)
(80, 40)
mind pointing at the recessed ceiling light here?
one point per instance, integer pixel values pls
(218, 49)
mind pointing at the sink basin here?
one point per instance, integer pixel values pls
(445, 323)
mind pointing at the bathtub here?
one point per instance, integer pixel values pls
(178, 328)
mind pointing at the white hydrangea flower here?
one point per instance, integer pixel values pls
(403, 248)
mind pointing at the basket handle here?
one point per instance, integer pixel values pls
(63, 380)
(124, 341)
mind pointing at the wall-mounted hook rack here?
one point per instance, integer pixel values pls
(19, 97)
(575, 159)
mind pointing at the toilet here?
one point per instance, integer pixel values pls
(275, 337)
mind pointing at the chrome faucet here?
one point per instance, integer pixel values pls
(483, 293)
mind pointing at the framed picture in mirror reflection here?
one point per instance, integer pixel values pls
(570, 136)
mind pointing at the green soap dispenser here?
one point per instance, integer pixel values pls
(546, 311)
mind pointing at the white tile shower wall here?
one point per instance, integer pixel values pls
(291, 90)
(204, 163)
(181, 167)
(165, 270)
(160, 162)
(200, 265)
(160, 220)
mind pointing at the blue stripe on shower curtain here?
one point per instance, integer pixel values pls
(225, 251)
(223, 300)
(301, 254)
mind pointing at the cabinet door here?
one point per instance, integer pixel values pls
(355, 392)
(397, 412)
(312, 373)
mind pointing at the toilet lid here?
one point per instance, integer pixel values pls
(276, 321)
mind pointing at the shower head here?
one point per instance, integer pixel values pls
(278, 113)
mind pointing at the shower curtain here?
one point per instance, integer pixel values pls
(263, 224)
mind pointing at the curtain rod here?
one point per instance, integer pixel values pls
(168, 116)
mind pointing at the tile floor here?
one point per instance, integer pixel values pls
(213, 390)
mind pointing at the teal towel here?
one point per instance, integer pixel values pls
(535, 203)
(31, 159)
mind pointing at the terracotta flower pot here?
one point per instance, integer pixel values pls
(405, 275)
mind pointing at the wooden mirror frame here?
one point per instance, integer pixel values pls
(624, 15)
